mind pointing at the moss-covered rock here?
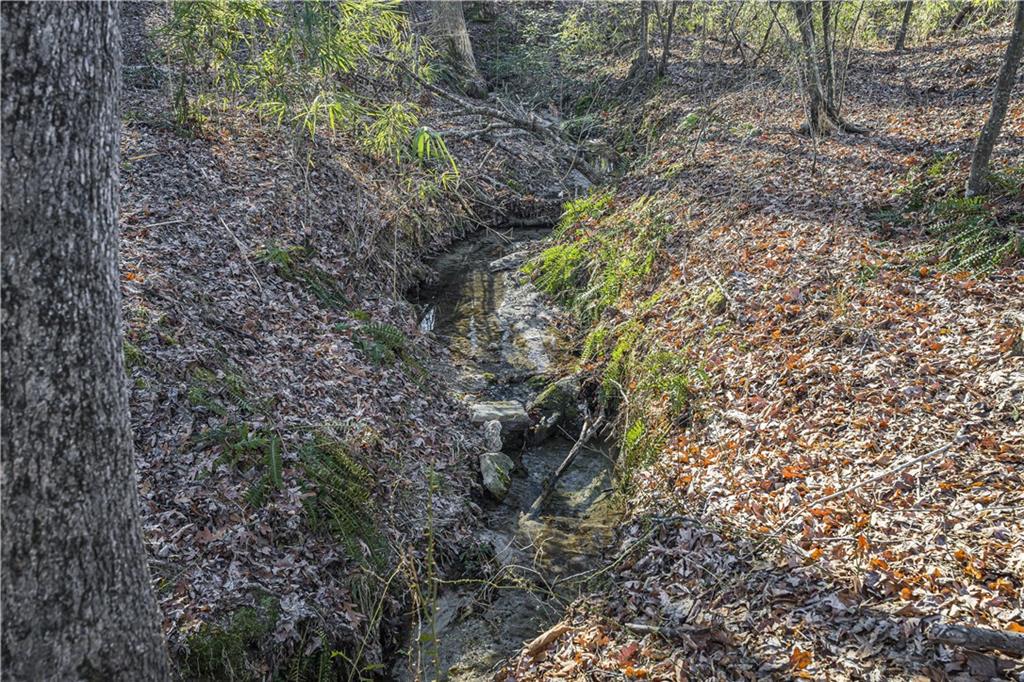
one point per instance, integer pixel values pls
(560, 397)
(716, 302)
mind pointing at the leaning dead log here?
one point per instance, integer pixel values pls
(979, 639)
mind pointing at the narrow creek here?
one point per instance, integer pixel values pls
(505, 346)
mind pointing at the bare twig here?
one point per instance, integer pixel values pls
(588, 430)
(245, 256)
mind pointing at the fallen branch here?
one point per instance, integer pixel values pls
(981, 639)
(586, 433)
(544, 640)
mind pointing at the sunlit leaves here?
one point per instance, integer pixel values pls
(304, 66)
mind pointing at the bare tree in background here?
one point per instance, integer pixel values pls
(820, 97)
(977, 183)
(77, 599)
(901, 37)
(667, 26)
(450, 27)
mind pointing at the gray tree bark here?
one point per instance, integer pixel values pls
(666, 45)
(818, 120)
(643, 40)
(901, 37)
(822, 110)
(450, 27)
(827, 51)
(77, 599)
(977, 183)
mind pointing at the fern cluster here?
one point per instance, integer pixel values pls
(340, 505)
(292, 263)
(601, 254)
(968, 233)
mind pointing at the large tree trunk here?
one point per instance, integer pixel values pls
(77, 600)
(901, 37)
(977, 183)
(818, 120)
(450, 27)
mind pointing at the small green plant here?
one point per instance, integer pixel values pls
(559, 269)
(970, 233)
(382, 343)
(340, 501)
(133, 356)
(589, 208)
(216, 391)
(595, 344)
(292, 263)
(293, 64)
(229, 651)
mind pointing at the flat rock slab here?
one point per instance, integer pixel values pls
(512, 260)
(510, 413)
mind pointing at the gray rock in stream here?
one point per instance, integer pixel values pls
(496, 471)
(492, 435)
(509, 413)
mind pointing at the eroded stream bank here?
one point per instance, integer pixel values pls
(505, 347)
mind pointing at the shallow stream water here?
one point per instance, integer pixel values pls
(501, 334)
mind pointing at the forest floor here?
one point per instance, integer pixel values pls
(291, 433)
(849, 468)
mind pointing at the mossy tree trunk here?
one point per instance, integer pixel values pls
(977, 183)
(450, 27)
(77, 599)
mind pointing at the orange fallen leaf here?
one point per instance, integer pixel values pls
(800, 659)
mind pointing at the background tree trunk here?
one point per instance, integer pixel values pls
(961, 16)
(827, 51)
(667, 44)
(817, 107)
(977, 183)
(901, 37)
(643, 39)
(450, 27)
(77, 600)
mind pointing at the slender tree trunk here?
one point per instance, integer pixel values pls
(818, 120)
(827, 50)
(961, 16)
(77, 600)
(901, 37)
(977, 183)
(450, 27)
(667, 45)
(643, 40)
